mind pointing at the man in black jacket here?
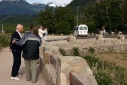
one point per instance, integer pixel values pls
(16, 51)
(31, 41)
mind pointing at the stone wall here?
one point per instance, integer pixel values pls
(64, 70)
(114, 45)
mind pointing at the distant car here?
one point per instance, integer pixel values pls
(81, 30)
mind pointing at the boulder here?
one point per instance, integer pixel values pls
(71, 38)
(121, 37)
(99, 37)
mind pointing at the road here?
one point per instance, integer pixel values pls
(63, 38)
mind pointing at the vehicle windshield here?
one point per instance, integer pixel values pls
(82, 28)
(85, 28)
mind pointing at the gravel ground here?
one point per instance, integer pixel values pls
(5, 71)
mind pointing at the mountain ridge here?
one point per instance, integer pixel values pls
(19, 7)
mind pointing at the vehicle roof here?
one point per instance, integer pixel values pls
(82, 25)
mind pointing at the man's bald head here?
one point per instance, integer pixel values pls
(19, 27)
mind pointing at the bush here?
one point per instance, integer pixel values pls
(103, 78)
(4, 40)
(0, 46)
(91, 50)
(63, 52)
(76, 51)
(106, 73)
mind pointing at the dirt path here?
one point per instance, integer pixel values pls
(119, 58)
(6, 60)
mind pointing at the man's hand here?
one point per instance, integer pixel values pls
(13, 41)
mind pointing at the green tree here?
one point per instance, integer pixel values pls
(64, 20)
(59, 20)
(63, 27)
(97, 13)
(90, 15)
(46, 19)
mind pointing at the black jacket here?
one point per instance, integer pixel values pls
(31, 44)
(16, 36)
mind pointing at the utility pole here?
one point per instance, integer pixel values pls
(77, 15)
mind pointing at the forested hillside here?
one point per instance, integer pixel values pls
(10, 22)
(109, 13)
(78, 4)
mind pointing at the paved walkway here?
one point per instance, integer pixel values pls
(6, 60)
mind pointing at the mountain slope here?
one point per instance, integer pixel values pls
(17, 7)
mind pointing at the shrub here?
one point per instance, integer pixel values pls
(103, 78)
(4, 40)
(76, 51)
(91, 50)
(0, 46)
(63, 52)
(107, 73)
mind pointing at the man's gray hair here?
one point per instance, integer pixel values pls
(18, 26)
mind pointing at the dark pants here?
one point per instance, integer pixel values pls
(16, 62)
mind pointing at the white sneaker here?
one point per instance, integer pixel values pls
(15, 78)
(19, 76)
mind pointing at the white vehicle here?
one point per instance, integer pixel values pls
(81, 30)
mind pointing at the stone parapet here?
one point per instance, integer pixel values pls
(48, 72)
(93, 43)
(114, 45)
(76, 79)
(56, 69)
(77, 65)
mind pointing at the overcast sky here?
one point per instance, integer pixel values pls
(61, 2)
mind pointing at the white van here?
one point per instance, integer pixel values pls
(81, 30)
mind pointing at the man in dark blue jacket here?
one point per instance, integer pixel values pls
(16, 51)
